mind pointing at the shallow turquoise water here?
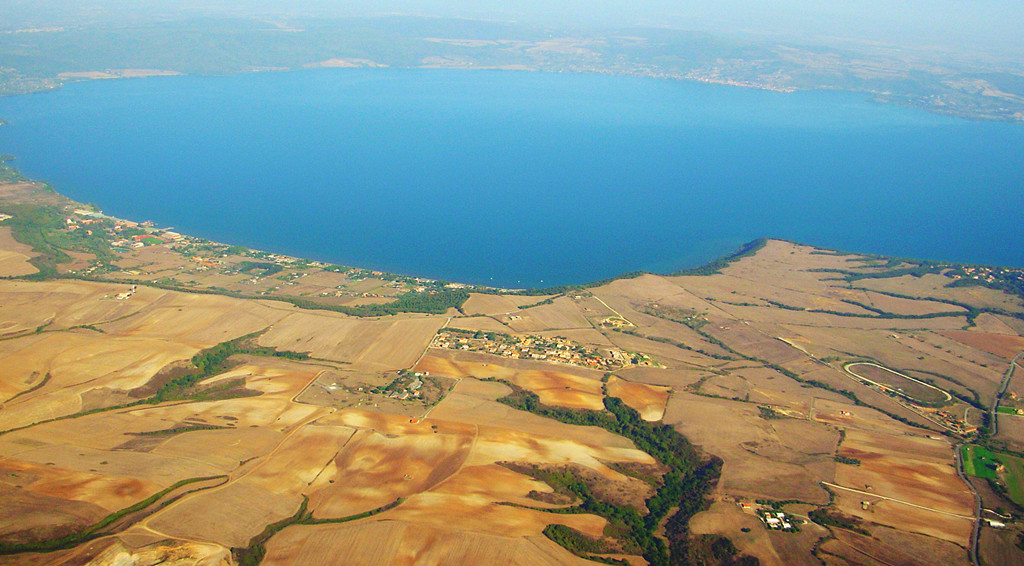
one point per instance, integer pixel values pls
(519, 179)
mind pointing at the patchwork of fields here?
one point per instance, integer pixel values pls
(183, 427)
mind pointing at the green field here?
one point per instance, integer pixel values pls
(1006, 410)
(1014, 477)
(979, 462)
(983, 463)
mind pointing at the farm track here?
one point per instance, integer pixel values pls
(144, 524)
(893, 499)
(600, 300)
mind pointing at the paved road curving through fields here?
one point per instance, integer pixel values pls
(958, 454)
(993, 414)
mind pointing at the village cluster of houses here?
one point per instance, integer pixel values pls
(95, 223)
(555, 349)
(988, 274)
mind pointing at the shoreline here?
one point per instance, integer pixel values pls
(253, 269)
(60, 80)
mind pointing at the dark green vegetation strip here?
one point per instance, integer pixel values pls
(716, 266)
(72, 540)
(35, 387)
(697, 323)
(206, 364)
(1006, 281)
(834, 519)
(213, 361)
(253, 554)
(876, 312)
(179, 430)
(684, 486)
(581, 545)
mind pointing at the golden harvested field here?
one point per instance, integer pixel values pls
(228, 516)
(374, 470)
(999, 324)
(648, 400)
(898, 473)
(949, 528)
(401, 543)
(779, 459)
(400, 344)
(934, 286)
(892, 549)
(554, 387)
(667, 355)
(14, 256)
(587, 337)
(472, 401)
(77, 365)
(202, 320)
(923, 351)
(1001, 345)
(62, 304)
(479, 303)
(903, 306)
(485, 323)
(562, 314)
(771, 548)
(370, 344)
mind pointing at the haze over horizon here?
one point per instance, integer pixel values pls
(993, 27)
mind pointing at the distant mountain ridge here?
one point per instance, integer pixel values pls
(41, 58)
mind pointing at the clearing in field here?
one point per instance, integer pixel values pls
(399, 393)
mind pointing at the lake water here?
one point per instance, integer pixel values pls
(517, 179)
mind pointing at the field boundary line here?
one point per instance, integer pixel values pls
(968, 517)
(617, 313)
(429, 344)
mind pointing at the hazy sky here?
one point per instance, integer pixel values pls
(994, 25)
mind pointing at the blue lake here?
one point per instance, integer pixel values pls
(523, 179)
